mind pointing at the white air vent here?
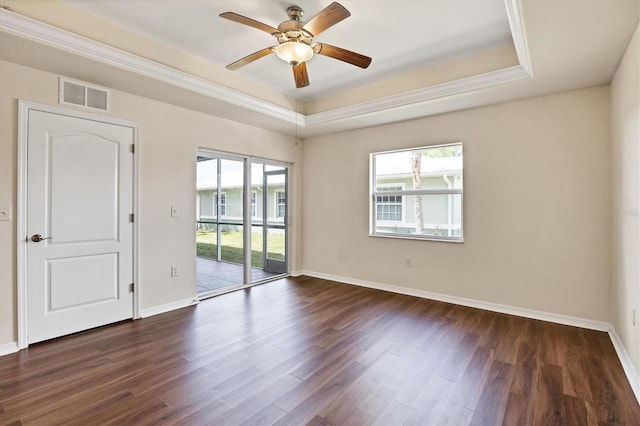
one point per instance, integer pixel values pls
(79, 93)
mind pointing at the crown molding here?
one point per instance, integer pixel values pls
(518, 36)
(419, 96)
(46, 34)
(43, 33)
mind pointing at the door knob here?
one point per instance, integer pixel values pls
(36, 238)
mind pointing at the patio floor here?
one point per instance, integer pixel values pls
(213, 275)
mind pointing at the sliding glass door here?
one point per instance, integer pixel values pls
(220, 226)
(275, 218)
(226, 257)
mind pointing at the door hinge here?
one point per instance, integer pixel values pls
(133, 148)
(131, 217)
(131, 288)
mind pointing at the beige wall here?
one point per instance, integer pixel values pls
(537, 183)
(166, 153)
(625, 172)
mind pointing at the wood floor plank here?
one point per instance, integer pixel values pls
(575, 411)
(359, 418)
(575, 378)
(307, 409)
(549, 402)
(493, 400)
(432, 403)
(457, 363)
(264, 380)
(394, 414)
(518, 410)
(470, 386)
(311, 351)
(267, 416)
(527, 366)
(257, 402)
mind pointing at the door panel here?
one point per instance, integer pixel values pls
(75, 204)
(66, 283)
(79, 197)
(275, 230)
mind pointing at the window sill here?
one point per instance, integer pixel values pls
(419, 238)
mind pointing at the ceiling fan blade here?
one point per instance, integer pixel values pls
(326, 18)
(341, 54)
(250, 58)
(300, 74)
(250, 22)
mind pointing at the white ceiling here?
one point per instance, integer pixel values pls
(398, 35)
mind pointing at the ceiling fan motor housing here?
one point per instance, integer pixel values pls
(292, 31)
(295, 12)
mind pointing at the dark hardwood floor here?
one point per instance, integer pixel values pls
(308, 351)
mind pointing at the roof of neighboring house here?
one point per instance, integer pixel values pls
(207, 176)
(399, 163)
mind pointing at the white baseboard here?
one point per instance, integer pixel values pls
(161, 309)
(629, 369)
(296, 273)
(8, 348)
(627, 364)
(473, 303)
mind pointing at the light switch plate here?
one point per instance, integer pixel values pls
(175, 271)
(5, 213)
(174, 211)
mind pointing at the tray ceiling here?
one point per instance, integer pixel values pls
(400, 36)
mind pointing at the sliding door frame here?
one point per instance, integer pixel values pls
(247, 222)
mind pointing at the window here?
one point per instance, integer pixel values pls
(222, 204)
(417, 193)
(389, 207)
(254, 204)
(281, 204)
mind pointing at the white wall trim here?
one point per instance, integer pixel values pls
(137, 292)
(625, 359)
(627, 364)
(21, 222)
(23, 122)
(518, 35)
(9, 348)
(473, 303)
(168, 307)
(418, 96)
(52, 36)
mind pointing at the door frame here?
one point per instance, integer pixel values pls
(265, 215)
(24, 107)
(247, 219)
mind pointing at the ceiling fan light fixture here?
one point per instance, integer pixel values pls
(294, 52)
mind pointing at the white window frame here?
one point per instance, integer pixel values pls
(374, 193)
(275, 196)
(403, 203)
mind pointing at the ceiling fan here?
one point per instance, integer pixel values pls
(295, 40)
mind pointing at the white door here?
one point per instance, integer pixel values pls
(80, 238)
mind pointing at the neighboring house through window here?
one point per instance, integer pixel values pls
(417, 193)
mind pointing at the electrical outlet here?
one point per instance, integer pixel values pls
(175, 271)
(408, 262)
